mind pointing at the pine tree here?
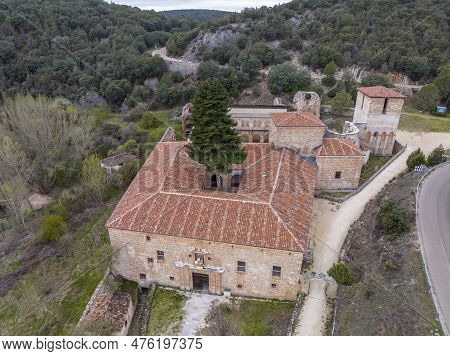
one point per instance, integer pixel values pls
(214, 140)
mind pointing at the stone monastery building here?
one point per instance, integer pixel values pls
(244, 233)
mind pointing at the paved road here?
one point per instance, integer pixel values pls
(434, 221)
(332, 222)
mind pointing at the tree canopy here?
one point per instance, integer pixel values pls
(214, 141)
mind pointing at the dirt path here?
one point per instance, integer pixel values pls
(196, 309)
(332, 221)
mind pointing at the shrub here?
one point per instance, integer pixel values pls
(328, 81)
(415, 159)
(52, 227)
(156, 134)
(286, 78)
(150, 120)
(436, 156)
(128, 172)
(392, 218)
(341, 274)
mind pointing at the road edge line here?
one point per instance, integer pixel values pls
(422, 250)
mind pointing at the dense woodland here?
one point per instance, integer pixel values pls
(91, 51)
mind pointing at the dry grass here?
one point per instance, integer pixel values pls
(390, 295)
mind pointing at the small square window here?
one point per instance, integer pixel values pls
(338, 175)
(150, 260)
(160, 256)
(274, 286)
(241, 266)
(209, 258)
(276, 271)
(148, 238)
(172, 278)
(142, 276)
(239, 286)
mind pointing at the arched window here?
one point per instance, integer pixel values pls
(375, 134)
(266, 138)
(235, 181)
(244, 138)
(256, 138)
(214, 181)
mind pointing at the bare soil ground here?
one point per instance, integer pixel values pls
(391, 295)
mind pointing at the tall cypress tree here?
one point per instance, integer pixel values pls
(214, 141)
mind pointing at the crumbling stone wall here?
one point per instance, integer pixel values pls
(307, 101)
(302, 139)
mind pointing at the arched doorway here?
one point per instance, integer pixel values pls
(235, 181)
(214, 181)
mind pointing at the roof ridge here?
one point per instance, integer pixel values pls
(256, 201)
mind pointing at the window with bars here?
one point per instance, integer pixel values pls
(241, 266)
(276, 271)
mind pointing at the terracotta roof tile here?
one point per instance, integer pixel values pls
(381, 92)
(338, 147)
(272, 208)
(296, 119)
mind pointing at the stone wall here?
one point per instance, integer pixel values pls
(378, 128)
(303, 139)
(134, 251)
(349, 166)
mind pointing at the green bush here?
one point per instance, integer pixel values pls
(416, 159)
(436, 156)
(328, 81)
(52, 227)
(341, 274)
(150, 120)
(392, 218)
(156, 134)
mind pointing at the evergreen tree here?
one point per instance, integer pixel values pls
(214, 141)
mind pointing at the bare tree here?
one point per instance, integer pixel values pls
(54, 137)
(13, 194)
(94, 177)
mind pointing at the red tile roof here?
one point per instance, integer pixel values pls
(272, 208)
(296, 119)
(338, 147)
(381, 92)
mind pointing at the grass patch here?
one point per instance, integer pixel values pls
(129, 287)
(248, 317)
(166, 313)
(51, 297)
(423, 122)
(372, 166)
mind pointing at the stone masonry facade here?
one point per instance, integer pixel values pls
(377, 115)
(342, 172)
(137, 259)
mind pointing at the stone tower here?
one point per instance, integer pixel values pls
(377, 114)
(307, 101)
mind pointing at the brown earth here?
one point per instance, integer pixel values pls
(391, 295)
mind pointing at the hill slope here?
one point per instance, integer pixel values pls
(195, 14)
(406, 36)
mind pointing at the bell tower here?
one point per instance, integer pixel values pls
(377, 114)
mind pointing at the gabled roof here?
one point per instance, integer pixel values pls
(296, 119)
(272, 208)
(338, 147)
(381, 92)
